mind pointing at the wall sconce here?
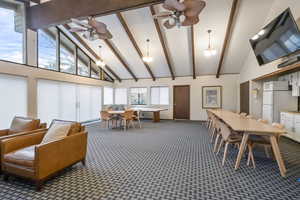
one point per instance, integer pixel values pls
(255, 93)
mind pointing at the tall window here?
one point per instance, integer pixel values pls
(159, 95)
(95, 71)
(108, 96)
(67, 55)
(138, 96)
(13, 99)
(83, 62)
(47, 48)
(121, 96)
(12, 31)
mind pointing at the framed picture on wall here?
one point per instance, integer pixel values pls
(211, 97)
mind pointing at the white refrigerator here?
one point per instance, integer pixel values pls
(277, 98)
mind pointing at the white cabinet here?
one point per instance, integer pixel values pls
(291, 121)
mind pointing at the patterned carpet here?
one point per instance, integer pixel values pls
(170, 160)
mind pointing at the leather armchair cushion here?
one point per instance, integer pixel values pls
(56, 132)
(20, 124)
(23, 157)
(75, 126)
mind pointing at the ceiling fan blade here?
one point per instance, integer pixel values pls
(189, 21)
(168, 25)
(164, 14)
(174, 5)
(80, 23)
(77, 29)
(98, 26)
(193, 7)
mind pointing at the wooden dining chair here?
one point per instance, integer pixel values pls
(128, 119)
(106, 118)
(137, 115)
(263, 121)
(228, 137)
(209, 119)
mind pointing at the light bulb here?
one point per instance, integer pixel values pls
(255, 37)
(100, 63)
(147, 59)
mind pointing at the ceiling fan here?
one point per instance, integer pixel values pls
(92, 30)
(181, 13)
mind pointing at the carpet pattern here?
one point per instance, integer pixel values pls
(167, 161)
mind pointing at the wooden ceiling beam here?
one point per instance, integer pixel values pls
(57, 12)
(115, 51)
(229, 30)
(133, 41)
(89, 49)
(113, 73)
(193, 52)
(163, 43)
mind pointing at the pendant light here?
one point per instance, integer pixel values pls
(100, 62)
(210, 51)
(148, 58)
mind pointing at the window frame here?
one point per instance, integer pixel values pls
(147, 96)
(159, 98)
(126, 95)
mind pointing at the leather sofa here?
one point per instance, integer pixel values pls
(21, 126)
(26, 157)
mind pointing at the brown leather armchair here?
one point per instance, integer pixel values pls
(21, 126)
(26, 157)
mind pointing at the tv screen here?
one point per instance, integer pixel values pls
(278, 39)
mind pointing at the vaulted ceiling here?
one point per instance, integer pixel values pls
(131, 28)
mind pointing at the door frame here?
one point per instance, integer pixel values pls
(189, 91)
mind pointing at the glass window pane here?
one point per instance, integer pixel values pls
(95, 71)
(108, 96)
(83, 64)
(12, 31)
(138, 96)
(47, 48)
(160, 95)
(67, 55)
(13, 99)
(121, 96)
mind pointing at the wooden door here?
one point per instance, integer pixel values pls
(181, 102)
(244, 97)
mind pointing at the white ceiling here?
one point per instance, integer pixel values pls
(250, 18)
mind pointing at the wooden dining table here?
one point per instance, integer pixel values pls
(248, 127)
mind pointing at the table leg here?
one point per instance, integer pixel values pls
(242, 150)
(278, 156)
(156, 116)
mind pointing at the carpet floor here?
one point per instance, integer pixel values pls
(168, 161)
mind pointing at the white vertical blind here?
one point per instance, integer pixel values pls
(121, 96)
(160, 96)
(108, 96)
(13, 99)
(68, 101)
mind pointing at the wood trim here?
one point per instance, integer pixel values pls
(285, 70)
(86, 46)
(230, 26)
(193, 52)
(134, 43)
(174, 110)
(113, 73)
(163, 43)
(57, 12)
(115, 51)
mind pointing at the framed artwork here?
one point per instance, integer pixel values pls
(211, 97)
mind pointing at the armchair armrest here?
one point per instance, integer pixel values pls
(4, 132)
(15, 143)
(21, 133)
(43, 125)
(57, 155)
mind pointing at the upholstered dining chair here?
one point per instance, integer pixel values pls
(106, 118)
(137, 117)
(209, 119)
(128, 119)
(263, 121)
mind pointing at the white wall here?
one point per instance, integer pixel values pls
(230, 84)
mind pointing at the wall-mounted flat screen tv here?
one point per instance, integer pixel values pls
(278, 39)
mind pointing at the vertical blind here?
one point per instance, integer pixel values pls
(108, 96)
(13, 99)
(68, 101)
(121, 96)
(159, 95)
